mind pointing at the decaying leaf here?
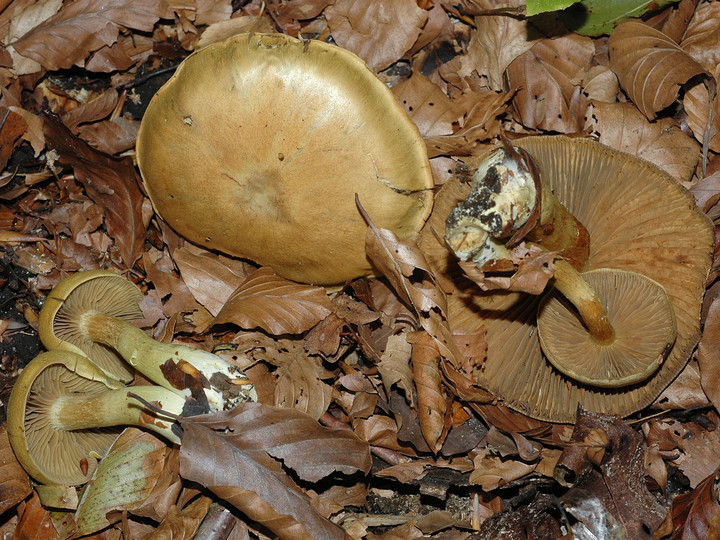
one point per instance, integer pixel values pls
(14, 481)
(432, 403)
(110, 183)
(82, 27)
(380, 32)
(650, 66)
(275, 304)
(230, 453)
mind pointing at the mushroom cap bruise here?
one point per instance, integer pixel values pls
(639, 219)
(49, 455)
(257, 146)
(92, 290)
(639, 310)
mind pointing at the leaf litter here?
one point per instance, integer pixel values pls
(369, 421)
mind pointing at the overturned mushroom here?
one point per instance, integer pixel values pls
(64, 413)
(90, 312)
(258, 145)
(639, 220)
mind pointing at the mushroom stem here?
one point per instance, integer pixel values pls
(225, 385)
(592, 312)
(116, 408)
(510, 201)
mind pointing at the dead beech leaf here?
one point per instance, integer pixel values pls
(182, 524)
(35, 522)
(211, 278)
(662, 142)
(432, 404)
(91, 111)
(300, 387)
(109, 182)
(708, 354)
(702, 36)
(230, 454)
(697, 106)
(548, 81)
(428, 106)
(14, 481)
(275, 304)
(111, 136)
(497, 41)
(650, 66)
(394, 366)
(693, 515)
(14, 128)
(84, 26)
(379, 32)
(399, 260)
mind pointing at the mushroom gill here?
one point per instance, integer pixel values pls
(639, 220)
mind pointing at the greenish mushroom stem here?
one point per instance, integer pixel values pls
(117, 408)
(223, 384)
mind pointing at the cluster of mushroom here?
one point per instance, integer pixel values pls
(632, 255)
(66, 402)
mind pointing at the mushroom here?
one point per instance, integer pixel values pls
(257, 146)
(641, 222)
(89, 313)
(63, 411)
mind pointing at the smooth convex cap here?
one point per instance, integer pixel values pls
(258, 145)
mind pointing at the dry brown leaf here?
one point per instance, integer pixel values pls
(230, 454)
(394, 366)
(650, 66)
(111, 136)
(275, 304)
(432, 404)
(91, 111)
(182, 524)
(23, 17)
(548, 81)
(428, 106)
(212, 278)
(34, 133)
(497, 41)
(109, 182)
(678, 19)
(702, 36)
(300, 385)
(662, 142)
(708, 354)
(697, 106)
(398, 261)
(379, 32)
(492, 472)
(14, 128)
(14, 481)
(693, 515)
(84, 26)
(35, 522)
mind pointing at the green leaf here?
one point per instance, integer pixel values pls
(597, 17)
(533, 7)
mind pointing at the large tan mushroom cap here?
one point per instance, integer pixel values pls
(257, 146)
(639, 219)
(93, 290)
(49, 455)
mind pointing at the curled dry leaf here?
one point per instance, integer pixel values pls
(300, 384)
(91, 111)
(379, 32)
(14, 481)
(697, 106)
(432, 404)
(702, 36)
(84, 26)
(275, 304)
(111, 136)
(394, 366)
(548, 81)
(399, 261)
(708, 354)
(182, 524)
(694, 515)
(650, 66)
(497, 41)
(229, 453)
(662, 142)
(432, 111)
(110, 183)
